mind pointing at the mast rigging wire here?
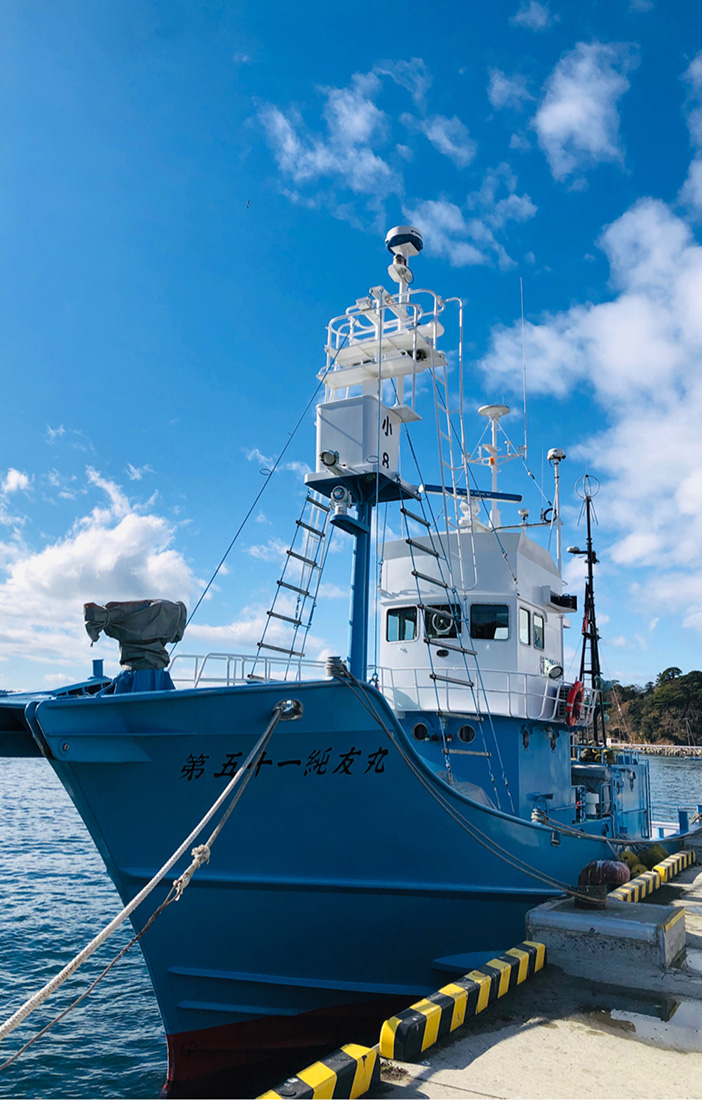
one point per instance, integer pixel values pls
(263, 488)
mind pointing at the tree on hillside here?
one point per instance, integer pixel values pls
(624, 692)
(671, 711)
(669, 674)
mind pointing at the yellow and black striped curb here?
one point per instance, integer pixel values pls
(406, 1035)
(348, 1072)
(639, 887)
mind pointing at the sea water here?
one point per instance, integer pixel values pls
(55, 895)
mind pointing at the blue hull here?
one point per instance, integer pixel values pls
(346, 875)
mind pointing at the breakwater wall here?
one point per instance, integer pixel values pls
(685, 751)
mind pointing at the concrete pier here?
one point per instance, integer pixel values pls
(632, 1028)
(609, 944)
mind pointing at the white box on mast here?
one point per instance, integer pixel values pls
(349, 429)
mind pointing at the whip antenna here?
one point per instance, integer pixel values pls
(521, 296)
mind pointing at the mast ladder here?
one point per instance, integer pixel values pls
(290, 616)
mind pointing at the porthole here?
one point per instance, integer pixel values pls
(466, 733)
(420, 731)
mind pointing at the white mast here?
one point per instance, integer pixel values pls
(493, 412)
(555, 457)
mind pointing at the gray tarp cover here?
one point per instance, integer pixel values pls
(143, 628)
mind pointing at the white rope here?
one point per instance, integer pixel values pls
(201, 855)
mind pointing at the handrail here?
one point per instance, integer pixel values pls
(529, 696)
(239, 669)
(513, 694)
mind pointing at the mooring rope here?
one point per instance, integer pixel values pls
(201, 854)
(357, 688)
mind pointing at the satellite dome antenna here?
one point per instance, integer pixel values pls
(404, 241)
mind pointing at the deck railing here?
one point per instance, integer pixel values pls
(512, 694)
(227, 669)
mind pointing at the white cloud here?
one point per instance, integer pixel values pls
(497, 212)
(691, 192)
(507, 91)
(448, 135)
(333, 592)
(115, 552)
(520, 142)
(466, 236)
(55, 433)
(136, 473)
(299, 468)
(273, 550)
(445, 231)
(344, 154)
(534, 16)
(412, 75)
(15, 481)
(254, 455)
(517, 208)
(638, 355)
(577, 122)
(242, 634)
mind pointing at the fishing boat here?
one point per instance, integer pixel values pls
(15, 737)
(405, 806)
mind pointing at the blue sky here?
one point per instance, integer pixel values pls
(191, 190)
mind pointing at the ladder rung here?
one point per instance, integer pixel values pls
(468, 752)
(417, 519)
(444, 645)
(318, 504)
(293, 588)
(308, 527)
(461, 714)
(285, 618)
(424, 549)
(302, 558)
(431, 580)
(450, 680)
(280, 649)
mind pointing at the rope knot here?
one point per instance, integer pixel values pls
(200, 854)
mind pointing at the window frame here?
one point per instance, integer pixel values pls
(395, 613)
(524, 611)
(535, 616)
(478, 638)
(452, 611)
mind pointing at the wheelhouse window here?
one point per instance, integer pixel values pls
(489, 621)
(538, 631)
(401, 624)
(442, 621)
(524, 626)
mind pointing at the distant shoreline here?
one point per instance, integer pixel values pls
(688, 751)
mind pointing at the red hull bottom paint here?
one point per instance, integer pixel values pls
(245, 1059)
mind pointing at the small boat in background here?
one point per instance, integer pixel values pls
(412, 802)
(15, 737)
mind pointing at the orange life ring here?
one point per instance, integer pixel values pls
(574, 704)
